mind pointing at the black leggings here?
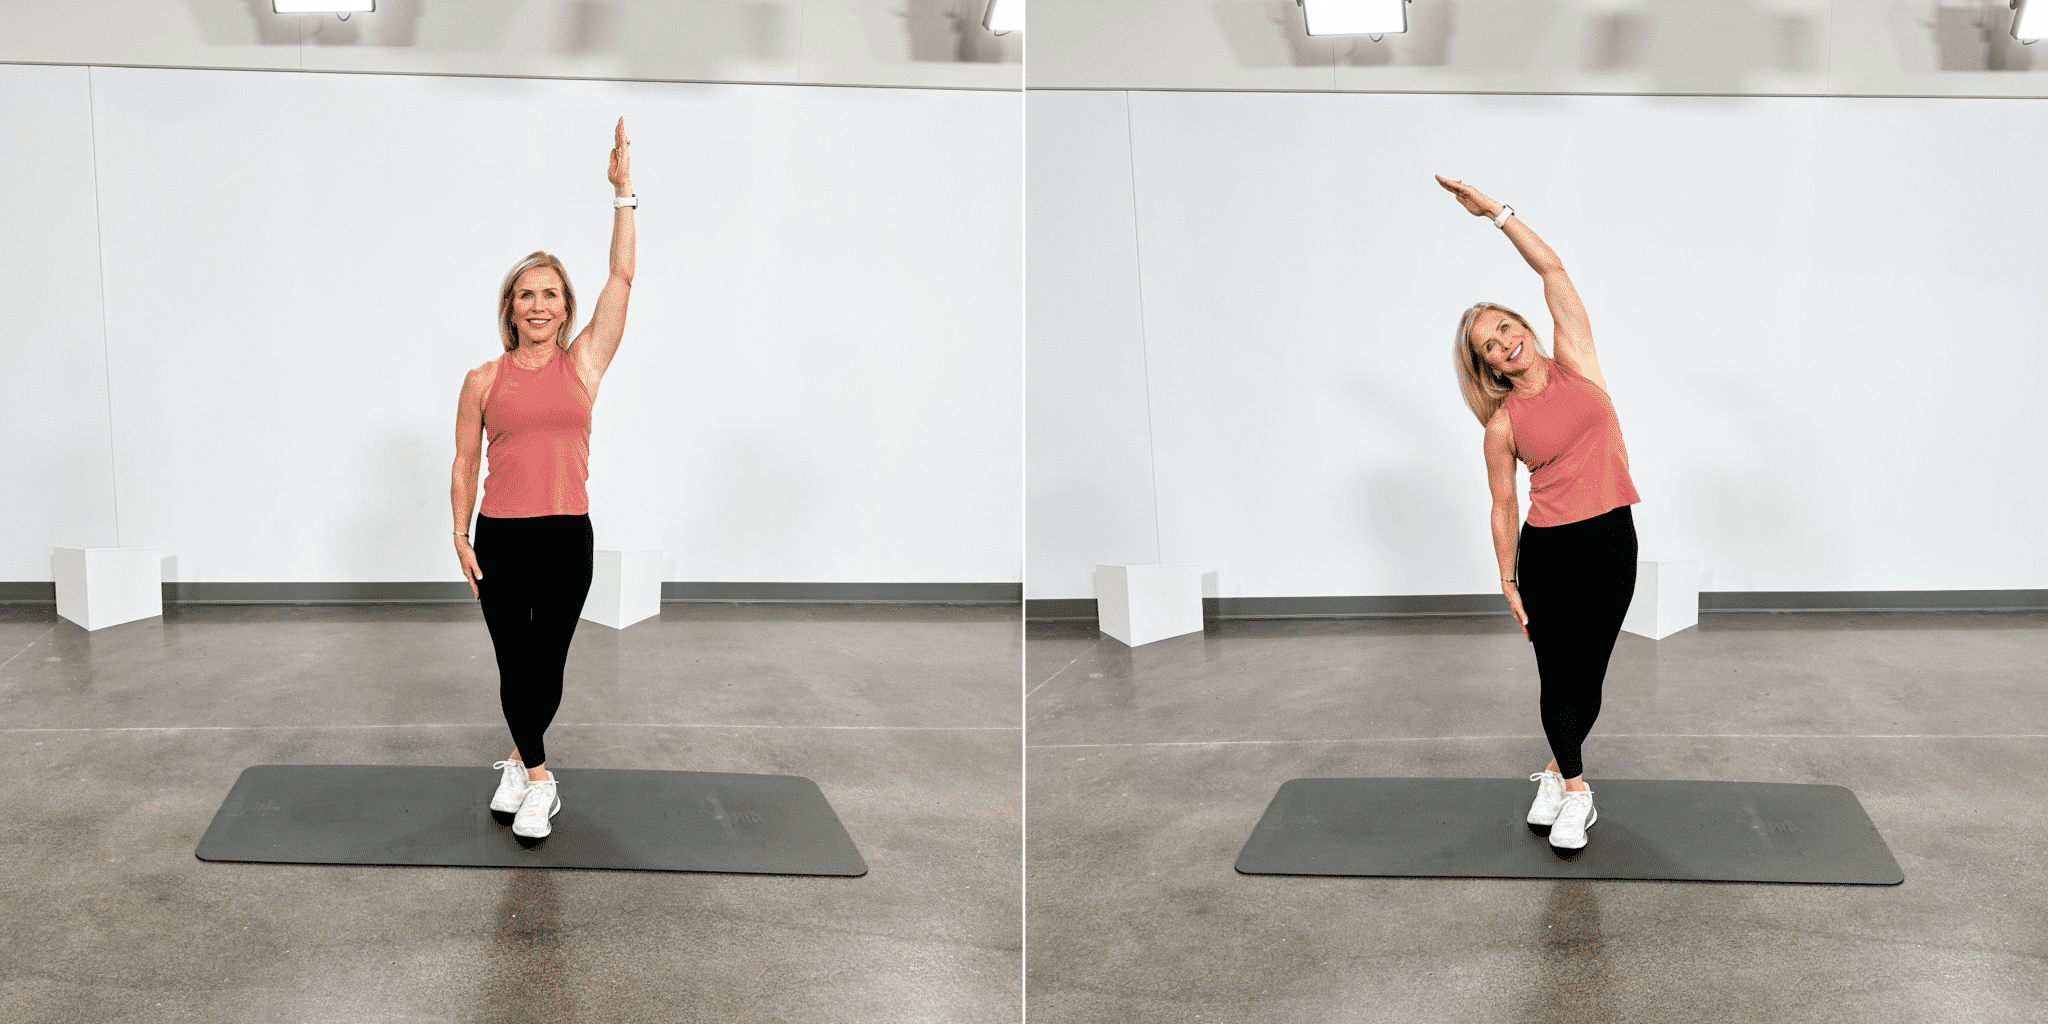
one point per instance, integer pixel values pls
(1576, 581)
(536, 573)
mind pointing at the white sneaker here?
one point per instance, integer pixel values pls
(1549, 797)
(1577, 815)
(511, 789)
(541, 804)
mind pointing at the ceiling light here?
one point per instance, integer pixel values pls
(322, 6)
(1354, 17)
(2027, 27)
(1003, 16)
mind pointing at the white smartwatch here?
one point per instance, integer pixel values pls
(620, 202)
(1501, 221)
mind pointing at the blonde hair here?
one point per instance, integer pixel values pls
(509, 334)
(1484, 391)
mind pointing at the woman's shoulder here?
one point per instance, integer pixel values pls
(1501, 427)
(488, 369)
(478, 381)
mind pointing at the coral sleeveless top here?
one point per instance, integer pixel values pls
(1568, 436)
(538, 422)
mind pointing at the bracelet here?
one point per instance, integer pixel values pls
(459, 533)
(621, 202)
(1501, 221)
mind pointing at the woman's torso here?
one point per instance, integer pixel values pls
(1569, 437)
(538, 426)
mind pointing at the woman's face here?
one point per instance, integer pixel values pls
(1503, 343)
(538, 306)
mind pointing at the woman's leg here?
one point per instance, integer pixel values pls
(557, 605)
(1577, 580)
(506, 551)
(532, 593)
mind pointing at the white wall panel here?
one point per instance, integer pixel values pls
(819, 380)
(1088, 450)
(1797, 302)
(58, 458)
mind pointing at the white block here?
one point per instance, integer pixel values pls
(1138, 604)
(101, 587)
(625, 587)
(1667, 598)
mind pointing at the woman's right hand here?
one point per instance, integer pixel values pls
(1474, 201)
(619, 171)
(1514, 594)
(470, 571)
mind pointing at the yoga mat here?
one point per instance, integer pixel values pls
(1647, 829)
(610, 818)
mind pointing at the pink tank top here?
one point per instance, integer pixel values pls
(1568, 436)
(538, 422)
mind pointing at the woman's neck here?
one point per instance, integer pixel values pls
(530, 356)
(1532, 380)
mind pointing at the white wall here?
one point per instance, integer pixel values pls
(819, 380)
(1676, 47)
(926, 43)
(1812, 314)
(1089, 444)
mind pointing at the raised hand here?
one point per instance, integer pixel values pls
(1474, 201)
(620, 173)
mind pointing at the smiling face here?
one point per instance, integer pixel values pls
(1503, 343)
(539, 306)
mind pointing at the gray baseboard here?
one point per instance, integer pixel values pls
(1348, 607)
(847, 593)
(36, 592)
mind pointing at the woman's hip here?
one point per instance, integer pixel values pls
(535, 541)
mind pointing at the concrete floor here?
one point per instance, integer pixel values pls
(1148, 768)
(121, 744)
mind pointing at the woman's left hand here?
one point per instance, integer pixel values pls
(621, 172)
(1474, 201)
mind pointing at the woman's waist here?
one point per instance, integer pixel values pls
(1611, 518)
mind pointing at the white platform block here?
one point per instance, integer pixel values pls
(101, 587)
(1667, 598)
(625, 587)
(1138, 604)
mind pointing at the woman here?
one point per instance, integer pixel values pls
(1576, 560)
(534, 402)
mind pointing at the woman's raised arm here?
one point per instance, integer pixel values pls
(1572, 333)
(594, 347)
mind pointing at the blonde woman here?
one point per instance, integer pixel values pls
(1569, 574)
(533, 531)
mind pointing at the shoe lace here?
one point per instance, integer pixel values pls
(537, 798)
(507, 764)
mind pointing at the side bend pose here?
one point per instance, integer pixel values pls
(1576, 557)
(533, 530)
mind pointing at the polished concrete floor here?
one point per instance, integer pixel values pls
(121, 744)
(1147, 769)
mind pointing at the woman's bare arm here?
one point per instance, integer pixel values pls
(469, 446)
(593, 349)
(1507, 509)
(1572, 336)
(1500, 479)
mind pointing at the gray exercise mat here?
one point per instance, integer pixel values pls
(1647, 829)
(610, 818)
